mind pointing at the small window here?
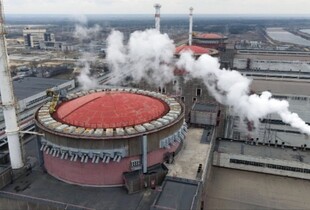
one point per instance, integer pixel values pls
(174, 82)
(135, 163)
(159, 89)
(164, 90)
(182, 98)
(198, 92)
(194, 99)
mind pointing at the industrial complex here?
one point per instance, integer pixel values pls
(144, 146)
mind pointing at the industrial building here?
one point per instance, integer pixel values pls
(95, 143)
(31, 93)
(271, 130)
(277, 64)
(109, 132)
(38, 38)
(210, 40)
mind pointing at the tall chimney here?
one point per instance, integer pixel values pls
(190, 38)
(157, 16)
(8, 101)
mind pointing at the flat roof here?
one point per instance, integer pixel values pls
(236, 189)
(279, 57)
(236, 147)
(43, 186)
(177, 194)
(191, 155)
(283, 87)
(204, 107)
(29, 86)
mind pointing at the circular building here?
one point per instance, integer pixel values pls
(210, 40)
(96, 136)
(196, 50)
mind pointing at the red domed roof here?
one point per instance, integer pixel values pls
(195, 49)
(111, 109)
(209, 36)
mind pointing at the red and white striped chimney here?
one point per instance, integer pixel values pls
(8, 101)
(157, 16)
(190, 38)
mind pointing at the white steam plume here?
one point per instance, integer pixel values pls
(82, 32)
(232, 89)
(147, 55)
(84, 78)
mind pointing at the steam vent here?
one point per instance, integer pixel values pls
(95, 136)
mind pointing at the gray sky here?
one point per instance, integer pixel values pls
(293, 7)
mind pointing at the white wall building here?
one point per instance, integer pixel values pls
(271, 129)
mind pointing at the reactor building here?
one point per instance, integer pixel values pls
(93, 137)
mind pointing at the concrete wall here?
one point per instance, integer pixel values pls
(223, 160)
(5, 177)
(185, 91)
(131, 144)
(98, 174)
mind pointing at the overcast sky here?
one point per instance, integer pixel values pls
(293, 7)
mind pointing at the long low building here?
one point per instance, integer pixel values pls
(289, 65)
(263, 159)
(271, 129)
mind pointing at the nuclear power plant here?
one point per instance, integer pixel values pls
(96, 136)
(200, 141)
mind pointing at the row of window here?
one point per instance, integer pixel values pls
(135, 163)
(268, 165)
(299, 98)
(273, 61)
(36, 100)
(163, 90)
(68, 87)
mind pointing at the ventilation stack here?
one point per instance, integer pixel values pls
(8, 101)
(157, 16)
(190, 38)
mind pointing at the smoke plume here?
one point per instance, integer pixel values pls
(230, 88)
(147, 55)
(82, 33)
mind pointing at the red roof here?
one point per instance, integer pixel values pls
(110, 110)
(209, 36)
(195, 49)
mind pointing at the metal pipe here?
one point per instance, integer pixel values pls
(144, 153)
(8, 101)
(190, 38)
(157, 16)
(108, 159)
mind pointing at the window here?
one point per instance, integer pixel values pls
(182, 98)
(162, 89)
(174, 82)
(135, 163)
(198, 92)
(194, 99)
(268, 165)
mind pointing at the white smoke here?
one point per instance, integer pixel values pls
(147, 55)
(87, 82)
(232, 89)
(82, 33)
